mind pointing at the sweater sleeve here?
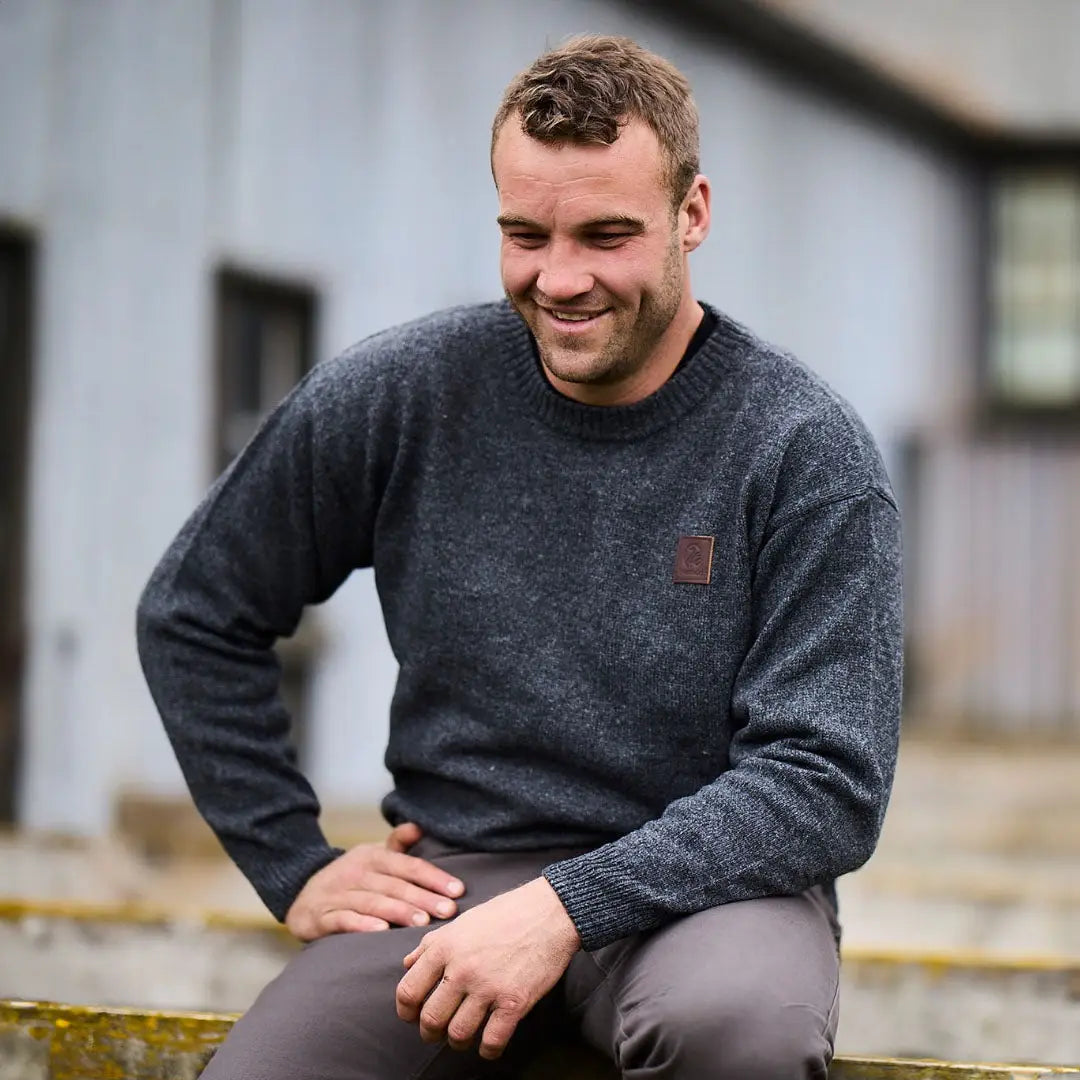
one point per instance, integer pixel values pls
(816, 705)
(282, 528)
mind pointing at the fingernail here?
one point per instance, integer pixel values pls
(420, 919)
(455, 888)
(446, 908)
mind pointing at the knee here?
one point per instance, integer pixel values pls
(748, 1040)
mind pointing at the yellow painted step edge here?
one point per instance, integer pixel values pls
(14, 909)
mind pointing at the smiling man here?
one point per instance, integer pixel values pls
(594, 256)
(641, 573)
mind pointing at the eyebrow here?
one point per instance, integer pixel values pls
(625, 221)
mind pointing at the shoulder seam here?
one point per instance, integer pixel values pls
(847, 495)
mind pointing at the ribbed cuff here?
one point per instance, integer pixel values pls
(601, 896)
(279, 867)
(279, 894)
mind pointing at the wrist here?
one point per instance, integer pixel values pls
(557, 917)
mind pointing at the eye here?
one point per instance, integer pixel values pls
(609, 239)
(528, 240)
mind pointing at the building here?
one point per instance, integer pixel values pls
(200, 198)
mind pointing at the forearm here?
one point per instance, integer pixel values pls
(816, 713)
(269, 539)
(743, 837)
(219, 702)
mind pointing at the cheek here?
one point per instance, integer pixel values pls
(628, 275)
(518, 269)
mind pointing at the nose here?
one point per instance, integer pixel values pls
(563, 275)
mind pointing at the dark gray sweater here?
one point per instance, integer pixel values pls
(709, 742)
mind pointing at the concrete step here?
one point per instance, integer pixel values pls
(893, 1002)
(930, 901)
(980, 851)
(45, 1041)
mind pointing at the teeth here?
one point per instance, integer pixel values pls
(571, 317)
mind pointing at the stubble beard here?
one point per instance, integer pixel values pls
(627, 347)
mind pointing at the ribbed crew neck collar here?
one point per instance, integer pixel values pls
(681, 393)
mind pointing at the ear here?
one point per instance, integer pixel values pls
(695, 213)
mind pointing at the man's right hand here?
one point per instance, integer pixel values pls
(372, 887)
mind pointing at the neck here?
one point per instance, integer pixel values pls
(656, 370)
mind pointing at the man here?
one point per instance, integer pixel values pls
(641, 574)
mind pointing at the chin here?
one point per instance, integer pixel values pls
(584, 371)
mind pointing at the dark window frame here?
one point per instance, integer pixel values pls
(995, 412)
(233, 285)
(21, 245)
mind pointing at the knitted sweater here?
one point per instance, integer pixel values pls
(712, 719)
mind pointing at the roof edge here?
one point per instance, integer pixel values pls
(798, 53)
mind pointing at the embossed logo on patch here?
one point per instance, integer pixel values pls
(693, 560)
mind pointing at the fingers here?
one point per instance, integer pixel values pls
(418, 871)
(462, 1030)
(440, 1007)
(416, 984)
(344, 921)
(337, 921)
(375, 902)
(415, 898)
(403, 836)
(500, 1026)
(383, 886)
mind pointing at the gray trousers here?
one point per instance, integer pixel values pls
(746, 991)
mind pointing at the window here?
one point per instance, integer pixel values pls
(1034, 340)
(15, 355)
(266, 332)
(266, 347)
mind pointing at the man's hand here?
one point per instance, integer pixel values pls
(500, 958)
(372, 886)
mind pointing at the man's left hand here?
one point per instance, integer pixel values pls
(492, 963)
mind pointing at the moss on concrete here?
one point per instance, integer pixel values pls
(117, 1044)
(45, 1041)
(851, 1068)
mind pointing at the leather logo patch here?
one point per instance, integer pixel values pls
(693, 560)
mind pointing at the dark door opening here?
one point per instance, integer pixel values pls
(16, 267)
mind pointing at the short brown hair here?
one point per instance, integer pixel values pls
(589, 88)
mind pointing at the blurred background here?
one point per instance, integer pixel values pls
(199, 199)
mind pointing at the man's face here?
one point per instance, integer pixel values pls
(593, 254)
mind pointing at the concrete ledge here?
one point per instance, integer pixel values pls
(40, 1041)
(139, 914)
(48, 1041)
(957, 1006)
(936, 961)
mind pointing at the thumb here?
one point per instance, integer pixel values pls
(403, 836)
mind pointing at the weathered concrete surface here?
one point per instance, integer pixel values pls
(960, 1007)
(140, 1045)
(136, 957)
(855, 1068)
(108, 1045)
(980, 851)
(926, 1005)
(22, 1056)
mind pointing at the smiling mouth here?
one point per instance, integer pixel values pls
(573, 321)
